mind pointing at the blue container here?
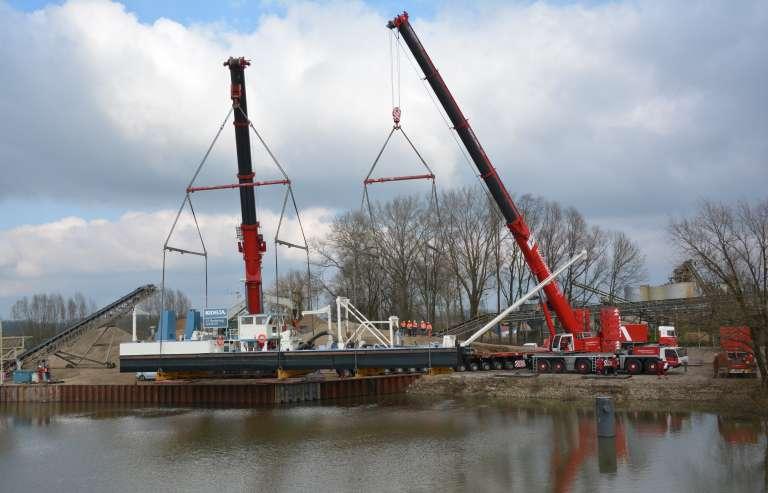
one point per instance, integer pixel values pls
(22, 376)
(192, 324)
(167, 329)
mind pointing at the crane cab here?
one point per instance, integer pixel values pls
(667, 336)
(578, 342)
(562, 343)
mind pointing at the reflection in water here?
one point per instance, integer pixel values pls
(394, 445)
(607, 456)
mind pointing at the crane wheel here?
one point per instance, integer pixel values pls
(461, 367)
(634, 367)
(558, 366)
(583, 366)
(542, 366)
(486, 366)
(650, 366)
(497, 364)
(473, 366)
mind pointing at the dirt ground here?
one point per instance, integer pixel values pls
(99, 345)
(694, 385)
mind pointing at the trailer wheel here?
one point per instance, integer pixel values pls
(542, 366)
(461, 367)
(558, 366)
(583, 366)
(497, 364)
(650, 366)
(473, 366)
(634, 367)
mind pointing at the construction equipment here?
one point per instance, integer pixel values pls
(578, 344)
(98, 319)
(737, 356)
(252, 245)
(515, 221)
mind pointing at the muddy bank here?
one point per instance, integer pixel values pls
(677, 388)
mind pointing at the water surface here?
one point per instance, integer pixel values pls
(394, 445)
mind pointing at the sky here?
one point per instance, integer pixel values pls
(630, 111)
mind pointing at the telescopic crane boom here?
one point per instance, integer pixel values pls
(252, 244)
(515, 222)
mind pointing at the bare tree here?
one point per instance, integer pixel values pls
(174, 300)
(403, 237)
(470, 228)
(293, 285)
(403, 257)
(730, 246)
(350, 253)
(627, 264)
(44, 314)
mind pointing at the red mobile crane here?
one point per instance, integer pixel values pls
(572, 320)
(251, 244)
(577, 349)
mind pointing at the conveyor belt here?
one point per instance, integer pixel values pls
(97, 319)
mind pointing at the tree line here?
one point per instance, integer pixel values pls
(43, 314)
(446, 259)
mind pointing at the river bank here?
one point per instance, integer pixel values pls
(696, 386)
(741, 394)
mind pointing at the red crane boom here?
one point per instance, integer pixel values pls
(515, 222)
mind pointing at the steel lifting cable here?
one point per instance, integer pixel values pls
(188, 200)
(462, 151)
(305, 246)
(394, 60)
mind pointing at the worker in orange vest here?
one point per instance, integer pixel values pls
(429, 329)
(423, 327)
(410, 328)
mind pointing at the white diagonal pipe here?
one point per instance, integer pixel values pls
(522, 300)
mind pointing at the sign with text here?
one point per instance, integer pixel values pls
(215, 318)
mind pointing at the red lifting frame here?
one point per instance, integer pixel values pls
(240, 185)
(399, 178)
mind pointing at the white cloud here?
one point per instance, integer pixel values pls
(133, 242)
(628, 111)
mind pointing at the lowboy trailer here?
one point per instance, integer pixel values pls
(547, 362)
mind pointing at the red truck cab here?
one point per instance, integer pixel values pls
(736, 356)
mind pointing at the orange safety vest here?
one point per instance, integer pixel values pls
(423, 325)
(409, 325)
